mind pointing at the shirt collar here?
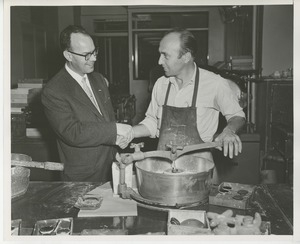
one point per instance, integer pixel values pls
(194, 75)
(76, 76)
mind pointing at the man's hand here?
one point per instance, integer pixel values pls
(231, 142)
(121, 142)
(125, 134)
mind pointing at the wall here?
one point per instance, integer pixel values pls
(48, 19)
(277, 44)
(44, 18)
(216, 37)
(65, 17)
(18, 15)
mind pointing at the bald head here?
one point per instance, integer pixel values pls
(186, 39)
(82, 42)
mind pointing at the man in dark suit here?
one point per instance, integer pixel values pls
(78, 106)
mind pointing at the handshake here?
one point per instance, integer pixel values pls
(125, 134)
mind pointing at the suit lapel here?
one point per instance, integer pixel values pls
(80, 95)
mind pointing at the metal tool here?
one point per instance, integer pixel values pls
(174, 153)
(40, 165)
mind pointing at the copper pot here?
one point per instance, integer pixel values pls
(191, 184)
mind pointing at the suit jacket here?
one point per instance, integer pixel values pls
(86, 139)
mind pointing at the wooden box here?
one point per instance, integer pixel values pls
(183, 215)
(232, 195)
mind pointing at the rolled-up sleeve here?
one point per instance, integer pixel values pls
(227, 101)
(153, 114)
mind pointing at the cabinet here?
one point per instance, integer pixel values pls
(274, 108)
(244, 168)
(275, 122)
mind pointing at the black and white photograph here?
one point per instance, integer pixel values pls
(150, 121)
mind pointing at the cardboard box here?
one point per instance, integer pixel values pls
(184, 215)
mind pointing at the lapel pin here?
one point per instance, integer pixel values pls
(99, 90)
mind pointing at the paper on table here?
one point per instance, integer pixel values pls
(111, 205)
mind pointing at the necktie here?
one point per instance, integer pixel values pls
(88, 92)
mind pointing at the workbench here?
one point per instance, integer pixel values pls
(49, 200)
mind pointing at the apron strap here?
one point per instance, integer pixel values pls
(167, 93)
(195, 90)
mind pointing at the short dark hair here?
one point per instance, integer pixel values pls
(65, 35)
(188, 42)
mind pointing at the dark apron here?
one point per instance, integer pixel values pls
(179, 125)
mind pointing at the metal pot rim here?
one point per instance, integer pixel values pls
(210, 166)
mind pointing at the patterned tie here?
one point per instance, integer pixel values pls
(89, 93)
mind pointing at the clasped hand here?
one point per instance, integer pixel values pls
(231, 143)
(124, 135)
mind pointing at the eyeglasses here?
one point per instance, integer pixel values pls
(88, 55)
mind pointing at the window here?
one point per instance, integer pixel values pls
(148, 29)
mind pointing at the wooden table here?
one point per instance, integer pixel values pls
(48, 200)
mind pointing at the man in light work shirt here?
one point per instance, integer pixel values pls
(185, 87)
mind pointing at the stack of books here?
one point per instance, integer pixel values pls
(241, 62)
(31, 83)
(27, 92)
(19, 99)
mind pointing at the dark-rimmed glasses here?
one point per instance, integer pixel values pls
(88, 55)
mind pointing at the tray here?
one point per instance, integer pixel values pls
(89, 202)
(62, 226)
(232, 195)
